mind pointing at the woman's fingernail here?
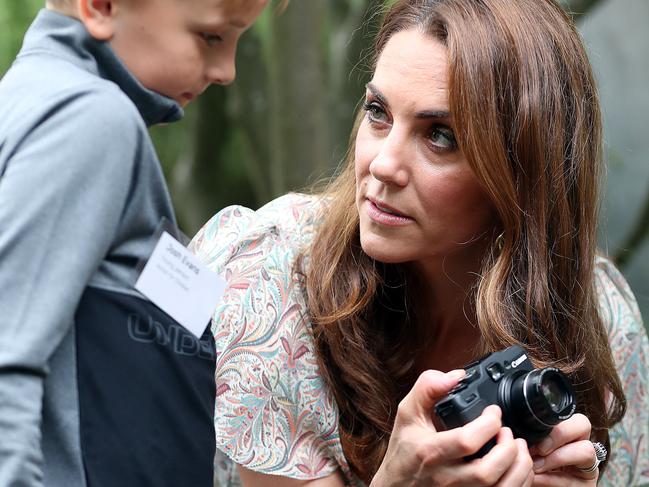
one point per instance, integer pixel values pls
(456, 374)
(538, 464)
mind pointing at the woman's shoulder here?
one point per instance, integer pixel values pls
(617, 304)
(288, 222)
(621, 317)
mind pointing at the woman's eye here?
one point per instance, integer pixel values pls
(210, 39)
(442, 138)
(375, 112)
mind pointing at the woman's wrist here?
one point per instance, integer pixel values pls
(376, 481)
(380, 479)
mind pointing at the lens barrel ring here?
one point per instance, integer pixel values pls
(529, 406)
(548, 395)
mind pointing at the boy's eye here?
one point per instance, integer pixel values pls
(375, 112)
(211, 39)
(442, 138)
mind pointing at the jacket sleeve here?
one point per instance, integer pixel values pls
(64, 183)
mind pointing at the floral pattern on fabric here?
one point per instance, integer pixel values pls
(274, 413)
(629, 461)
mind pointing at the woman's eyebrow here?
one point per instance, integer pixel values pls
(424, 114)
(376, 93)
(436, 114)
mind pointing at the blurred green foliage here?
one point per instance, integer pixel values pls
(285, 123)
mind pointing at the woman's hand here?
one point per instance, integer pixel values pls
(419, 455)
(559, 457)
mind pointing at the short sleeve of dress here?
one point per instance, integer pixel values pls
(274, 414)
(629, 460)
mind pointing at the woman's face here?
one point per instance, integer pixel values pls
(417, 198)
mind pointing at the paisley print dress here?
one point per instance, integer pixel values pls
(275, 415)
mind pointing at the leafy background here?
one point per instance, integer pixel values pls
(284, 124)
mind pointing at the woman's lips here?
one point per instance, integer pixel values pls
(385, 214)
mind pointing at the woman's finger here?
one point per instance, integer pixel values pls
(466, 440)
(561, 479)
(486, 470)
(572, 429)
(428, 389)
(417, 452)
(576, 455)
(520, 472)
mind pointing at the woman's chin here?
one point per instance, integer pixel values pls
(383, 250)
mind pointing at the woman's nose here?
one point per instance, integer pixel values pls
(390, 165)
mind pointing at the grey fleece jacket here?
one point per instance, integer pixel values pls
(98, 387)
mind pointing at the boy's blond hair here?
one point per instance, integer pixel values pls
(67, 7)
(67, 4)
(60, 3)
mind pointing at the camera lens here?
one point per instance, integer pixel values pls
(552, 392)
(548, 395)
(535, 401)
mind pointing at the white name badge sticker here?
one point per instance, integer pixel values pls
(180, 285)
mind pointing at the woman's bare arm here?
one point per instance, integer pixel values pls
(250, 478)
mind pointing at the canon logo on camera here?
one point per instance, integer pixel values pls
(518, 361)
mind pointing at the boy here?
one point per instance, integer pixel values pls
(97, 386)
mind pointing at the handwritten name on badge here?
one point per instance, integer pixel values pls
(180, 285)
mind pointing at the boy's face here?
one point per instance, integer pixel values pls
(179, 47)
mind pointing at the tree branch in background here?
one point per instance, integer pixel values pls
(353, 26)
(299, 120)
(250, 111)
(195, 173)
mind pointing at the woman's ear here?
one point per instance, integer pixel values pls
(99, 17)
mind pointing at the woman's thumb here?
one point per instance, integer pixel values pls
(431, 386)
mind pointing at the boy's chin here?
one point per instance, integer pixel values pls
(186, 99)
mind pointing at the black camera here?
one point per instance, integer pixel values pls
(532, 400)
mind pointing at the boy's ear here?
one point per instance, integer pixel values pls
(99, 17)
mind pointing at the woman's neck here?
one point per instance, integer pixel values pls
(447, 309)
(448, 282)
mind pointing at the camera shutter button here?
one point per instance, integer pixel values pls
(495, 371)
(471, 375)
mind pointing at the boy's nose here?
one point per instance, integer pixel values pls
(221, 72)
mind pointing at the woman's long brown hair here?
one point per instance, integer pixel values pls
(527, 119)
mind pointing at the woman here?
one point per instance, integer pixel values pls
(463, 222)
